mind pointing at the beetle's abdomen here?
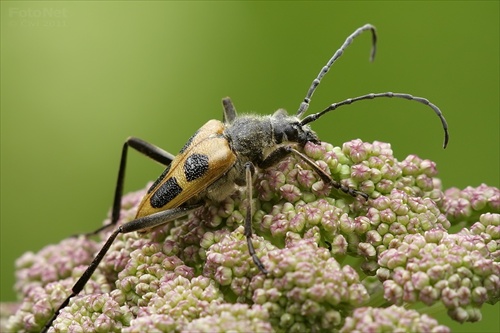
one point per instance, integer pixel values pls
(205, 158)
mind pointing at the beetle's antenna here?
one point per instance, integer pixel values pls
(305, 104)
(315, 116)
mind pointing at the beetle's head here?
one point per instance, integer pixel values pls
(290, 129)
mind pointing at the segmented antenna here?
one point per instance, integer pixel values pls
(313, 117)
(305, 104)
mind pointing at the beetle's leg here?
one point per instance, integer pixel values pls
(277, 155)
(229, 111)
(145, 148)
(140, 224)
(326, 177)
(249, 171)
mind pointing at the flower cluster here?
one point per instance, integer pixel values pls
(335, 262)
(460, 270)
(469, 204)
(391, 319)
(307, 289)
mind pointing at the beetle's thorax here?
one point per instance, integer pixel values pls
(253, 137)
(249, 136)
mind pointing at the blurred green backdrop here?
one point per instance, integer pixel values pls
(77, 78)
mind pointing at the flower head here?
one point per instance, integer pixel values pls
(468, 204)
(330, 257)
(460, 270)
(307, 289)
(391, 319)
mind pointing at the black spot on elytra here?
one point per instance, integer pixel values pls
(188, 143)
(196, 166)
(157, 181)
(165, 193)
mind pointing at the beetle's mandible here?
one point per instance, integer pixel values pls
(222, 155)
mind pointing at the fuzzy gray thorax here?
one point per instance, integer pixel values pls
(254, 137)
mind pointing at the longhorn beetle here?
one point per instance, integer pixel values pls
(223, 155)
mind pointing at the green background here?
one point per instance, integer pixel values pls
(77, 78)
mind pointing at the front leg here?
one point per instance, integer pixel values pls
(280, 153)
(326, 177)
(275, 156)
